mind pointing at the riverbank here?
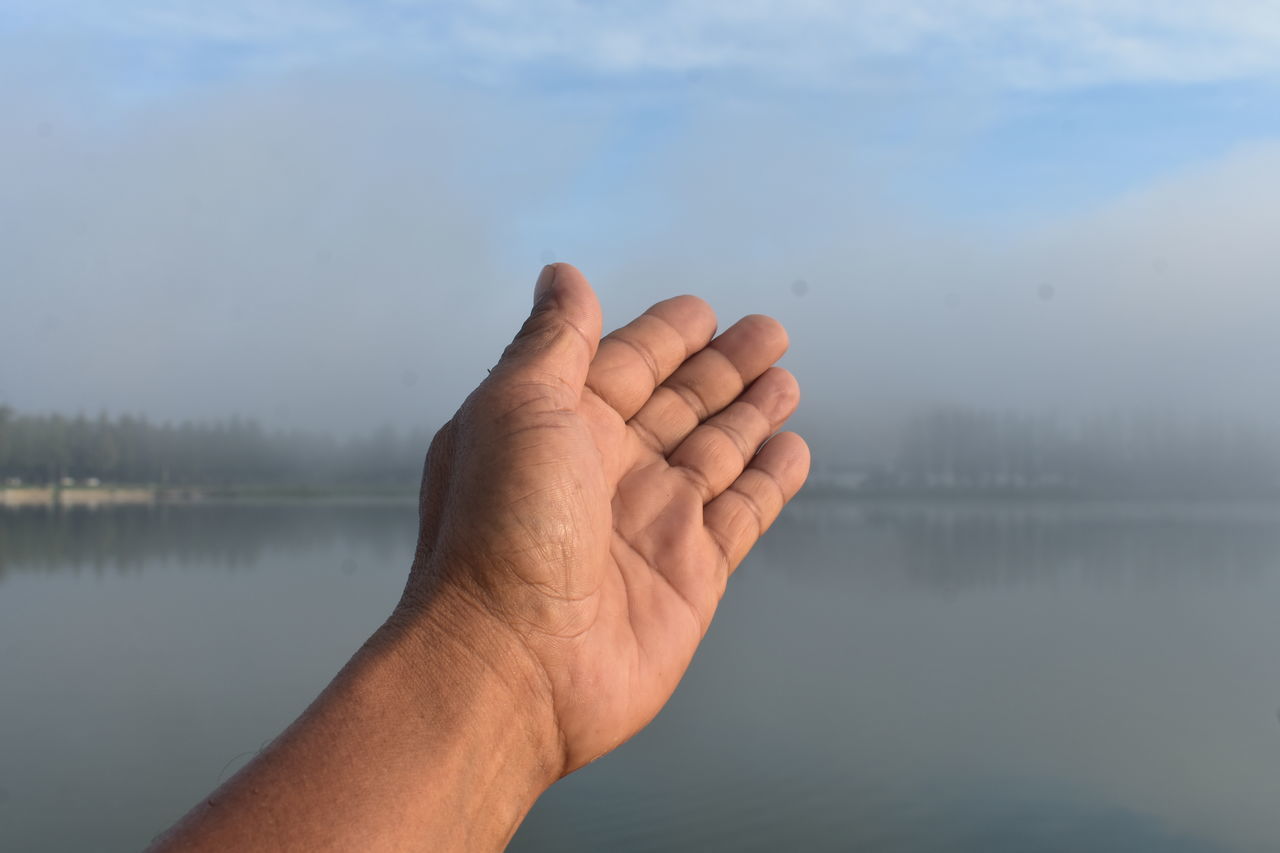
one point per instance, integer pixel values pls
(63, 496)
(135, 495)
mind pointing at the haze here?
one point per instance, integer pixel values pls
(331, 216)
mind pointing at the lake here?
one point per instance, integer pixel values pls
(881, 677)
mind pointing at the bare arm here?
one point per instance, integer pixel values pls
(581, 515)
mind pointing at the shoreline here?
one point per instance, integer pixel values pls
(62, 497)
(51, 496)
(133, 495)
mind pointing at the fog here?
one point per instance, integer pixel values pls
(347, 246)
(253, 252)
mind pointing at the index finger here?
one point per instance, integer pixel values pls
(635, 359)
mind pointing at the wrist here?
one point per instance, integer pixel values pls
(466, 663)
(432, 737)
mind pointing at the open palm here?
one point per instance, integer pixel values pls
(593, 496)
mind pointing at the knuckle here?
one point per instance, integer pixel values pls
(752, 512)
(645, 354)
(692, 398)
(736, 437)
(698, 478)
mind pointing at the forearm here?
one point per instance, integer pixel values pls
(423, 741)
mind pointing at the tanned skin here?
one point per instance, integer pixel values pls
(581, 515)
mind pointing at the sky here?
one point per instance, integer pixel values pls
(330, 214)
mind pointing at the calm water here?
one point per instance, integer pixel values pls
(880, 678)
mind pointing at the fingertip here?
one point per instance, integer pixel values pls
(563, 286)
(560, 336)
(690, 315)
(545, 283)
(784, 379)
(776, 393)
(768, 332)
(564, 267)
(787, 458)
(690, 305)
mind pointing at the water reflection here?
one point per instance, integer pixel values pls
(948, 546)
(955, 677)
(230, 536)
(958, 546)
(967, 677)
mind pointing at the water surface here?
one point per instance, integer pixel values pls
(880, 677)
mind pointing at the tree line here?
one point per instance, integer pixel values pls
(942, 450)
(45, 448)
(1123, 455)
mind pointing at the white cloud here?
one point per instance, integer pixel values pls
(247, 229)
(1020, 44)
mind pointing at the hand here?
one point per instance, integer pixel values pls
(581, 514)
(586, 506)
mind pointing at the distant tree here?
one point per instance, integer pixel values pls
(131, 449)
(1135, 456)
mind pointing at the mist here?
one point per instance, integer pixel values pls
(253, 255)
(340, 249)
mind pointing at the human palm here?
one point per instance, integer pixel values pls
(593, 496)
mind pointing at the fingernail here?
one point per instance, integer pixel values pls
(545, 280)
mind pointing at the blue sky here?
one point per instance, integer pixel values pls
(1070, 102)
(288, 168)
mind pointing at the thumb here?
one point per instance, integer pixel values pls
(556, 344)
